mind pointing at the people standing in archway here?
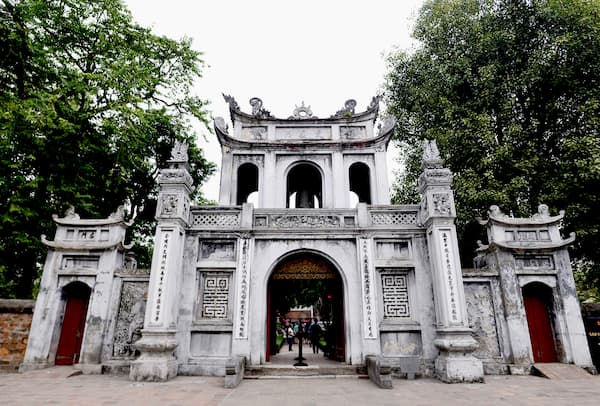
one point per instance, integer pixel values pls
(315, 335)
(289, 336)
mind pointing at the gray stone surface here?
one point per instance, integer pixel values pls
(52, 386)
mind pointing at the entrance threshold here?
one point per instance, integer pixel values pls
(282, 365)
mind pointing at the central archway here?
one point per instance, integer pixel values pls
(310, 281)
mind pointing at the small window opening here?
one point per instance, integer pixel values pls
(304, 187)
(247, 184)
(360, 184)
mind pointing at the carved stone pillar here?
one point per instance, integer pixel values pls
(157, 360)
(454, 340)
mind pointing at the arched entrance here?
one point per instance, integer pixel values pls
(537, 299)
(77, 296)
(309, 281)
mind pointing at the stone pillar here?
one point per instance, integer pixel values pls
(339, 181)
(268, 192)
(226, 188)
(454, 340)
(157, 361)
(574, 329)
(518, 331)
(382, 189)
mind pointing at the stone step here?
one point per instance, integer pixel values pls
(316, 370)
(558, 371)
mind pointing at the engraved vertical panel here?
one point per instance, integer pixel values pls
(449, 276)
(161, 277)
(369, 316)
(243, 282)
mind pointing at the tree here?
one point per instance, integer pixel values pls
(510, 89)
(90, 106)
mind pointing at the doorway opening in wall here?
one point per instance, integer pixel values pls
(305, 303)
(76, 296)
(538, 302)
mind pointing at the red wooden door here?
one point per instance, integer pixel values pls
(71, 333)
(540, 329)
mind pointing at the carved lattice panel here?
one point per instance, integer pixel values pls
(216, 220)
(215, 295)
(394, 218)
(395, 295)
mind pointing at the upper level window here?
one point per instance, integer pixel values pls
(247, 183)
(360, 182)
(304, 187)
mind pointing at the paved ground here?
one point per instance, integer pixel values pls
(54, 387)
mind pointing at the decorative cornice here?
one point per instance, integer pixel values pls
(381, 140)
(84, 246)
(259, 114)
(533, 245)
(72, 219)
(542, 217)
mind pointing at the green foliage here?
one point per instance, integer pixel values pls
(510, 90)
(90, 106)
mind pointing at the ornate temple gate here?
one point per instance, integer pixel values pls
(288, 275)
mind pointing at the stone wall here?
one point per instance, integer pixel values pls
(15, 320)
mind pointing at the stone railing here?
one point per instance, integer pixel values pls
(216, 218)
(247, 217)
(385, 216)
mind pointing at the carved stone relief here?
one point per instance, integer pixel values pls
(217, 250)
(482, 318)
(353, 133)
(255, 132)
(308, 221)
(303, 133)
(534, 262)
(83, 262)
(169, 203)
(442, 206)
(254, 158)
(130, 318)
(392, 249)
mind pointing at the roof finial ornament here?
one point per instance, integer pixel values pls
(431, 155)
(347, 111)
(257, 109)
(375, 102)
(302, 112)
(233, 105)
(179, 152)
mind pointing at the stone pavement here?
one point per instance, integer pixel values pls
(54, 387)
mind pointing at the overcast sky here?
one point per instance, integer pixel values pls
(284, 52)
